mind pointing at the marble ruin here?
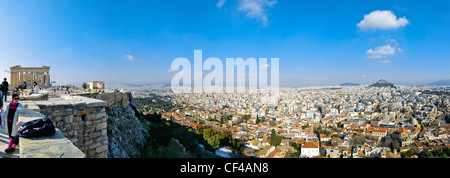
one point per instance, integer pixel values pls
(96, 85)
(29, 75)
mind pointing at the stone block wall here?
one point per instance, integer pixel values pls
(82, 120)
(82, 117)
(55, 146)
(111, 97)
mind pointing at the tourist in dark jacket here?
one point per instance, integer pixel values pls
(24, 86)
(4, 87)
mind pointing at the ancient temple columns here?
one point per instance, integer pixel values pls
(40, 75)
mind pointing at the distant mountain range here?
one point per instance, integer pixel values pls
(119, 85)
(382, 83)
(350, 84)
(440, 82)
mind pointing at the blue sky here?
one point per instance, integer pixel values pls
(317, 42)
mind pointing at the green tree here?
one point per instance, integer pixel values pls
(273, 138)
(199, 130)
(212, 138)
(425, 154)
(295, 146)
(403, 110)
(378, 108)
(279, 139)
(295, 155)
(84, 85)
(237, 145)
(446, 151)
(246, 117)
(214, 141)
(406, 154)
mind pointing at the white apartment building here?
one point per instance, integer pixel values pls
(310, 149)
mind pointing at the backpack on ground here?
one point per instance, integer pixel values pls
(36, 128)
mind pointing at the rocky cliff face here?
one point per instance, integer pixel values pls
(126, 133)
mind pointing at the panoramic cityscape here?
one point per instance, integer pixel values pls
(382, 120)
(229, 80)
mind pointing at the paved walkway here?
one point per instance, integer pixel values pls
(4, 140)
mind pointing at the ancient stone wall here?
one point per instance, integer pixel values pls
(82, 120)
(110, 97)
(55, 146)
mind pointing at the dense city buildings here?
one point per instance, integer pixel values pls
(334, 122)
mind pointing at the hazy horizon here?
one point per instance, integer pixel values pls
(317, 43)
(167, 84)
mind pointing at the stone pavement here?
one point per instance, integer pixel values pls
(4, 140)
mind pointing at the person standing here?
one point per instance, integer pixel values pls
(10, 119)
(4, 87)
(1, 107)
(1, 99)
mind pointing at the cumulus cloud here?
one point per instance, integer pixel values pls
(256, 9)
(220, 3)
(381, 52)
(264, 66)
(384, 61)
(382, 20)
(130, 57)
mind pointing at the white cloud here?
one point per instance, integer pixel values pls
(264, 66)
(381, 20)
(381, 52)
(220, 3)
(301, 68)
(170, 70)
(130, 57)
(384, 61)
(256, 9)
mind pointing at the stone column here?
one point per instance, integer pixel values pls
(48, 80)
(16, 78)
(33, 77)
(41, 79)
(27, 79)
(49, 83)
(12, 78)
(19, 76)
(44, 79)
(38, 78)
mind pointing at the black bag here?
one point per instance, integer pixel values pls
(36, 128)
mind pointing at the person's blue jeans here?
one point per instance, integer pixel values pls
(1, 98)
(5, 93)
